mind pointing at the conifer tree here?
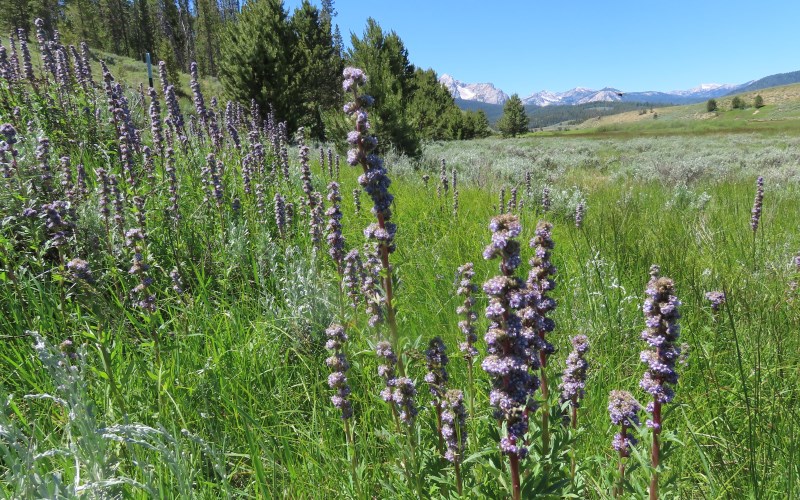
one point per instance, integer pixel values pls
(384, 58)
(316, 68)
(514, 120)
(256, 58)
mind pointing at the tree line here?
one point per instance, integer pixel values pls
(287, 62)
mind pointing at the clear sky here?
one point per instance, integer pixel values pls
(526, 46)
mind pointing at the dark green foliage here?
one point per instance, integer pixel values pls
(711, 105)
(738, 103)
(256, 58)
(287, 63)
(209, 27)
(514, 120)
(759, 101)
(317, 68)
(384, 58)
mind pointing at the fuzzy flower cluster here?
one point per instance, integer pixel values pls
(316, 219)
(580, 212)
(362, 146)
(662, 332)
(57, 221)
(540, 283)
(509, 344)
(135, 240)
(351, 276)
(546, 201)
(80, 270)
(436, 361)
(280, 214)
(338, 364)
(504, 229)
(755, 213)
(624, 411)
(371, 286)
(399, 391)
(467, 289)
(573, 381)
(454, 425)
(335, 239)
(716, 298)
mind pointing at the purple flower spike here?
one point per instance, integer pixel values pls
(716, 298)
(573, 382)
(511, 347)
(624, 411)
(755, 217)
(337, 380)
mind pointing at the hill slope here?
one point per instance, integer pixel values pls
(781, 112)
(770, 81)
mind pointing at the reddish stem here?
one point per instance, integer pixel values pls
(515, 482)
(545, 398)
(624, 453)
(655, 452)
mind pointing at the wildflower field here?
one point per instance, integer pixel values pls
(207, 305)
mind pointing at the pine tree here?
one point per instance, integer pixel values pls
(209, 27)
(317, 68)
(433, 111)
(256, 59)
(384, 58)
(15, 14)
(514, 120)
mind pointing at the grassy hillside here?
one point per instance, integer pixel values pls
(781, 113)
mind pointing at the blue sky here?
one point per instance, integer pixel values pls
(527, 46)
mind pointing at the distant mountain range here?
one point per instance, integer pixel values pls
(487, 93)
(481, 92)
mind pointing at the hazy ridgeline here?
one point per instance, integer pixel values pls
(196, 357)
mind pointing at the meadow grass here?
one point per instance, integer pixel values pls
(222, 391)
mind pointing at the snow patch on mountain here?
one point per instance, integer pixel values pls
(483, 92)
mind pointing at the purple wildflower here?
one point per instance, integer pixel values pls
(624, 411)
(454, 427)
(755, 217)
(280, 214)
(437, 377)
(580, 212)
(661, 317)
(86, 68)
(334, 228)
(338, 364)
(357, 200)
(467, 289)
(508, 343)
(177, 282)
(403, 398)
(352, 276)
(443, 177)
(716, 298)
(573, 381)
(370, 286)
(27, 65)
(57, 222)
(316, 220)
(387, 369)
(80, 270)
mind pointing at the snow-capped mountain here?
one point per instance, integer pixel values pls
(578, 95)
(709, 90)
(488, 93)
(482, 92)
